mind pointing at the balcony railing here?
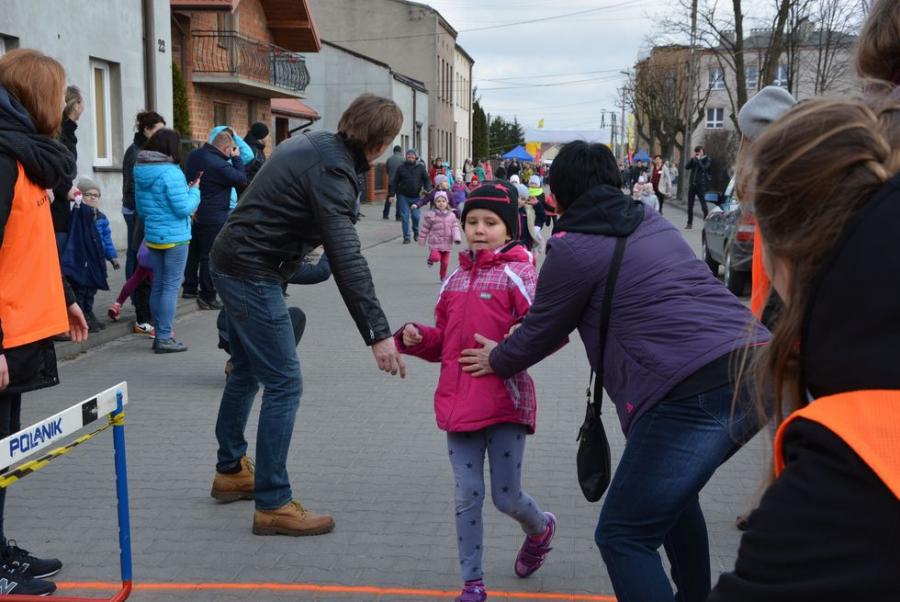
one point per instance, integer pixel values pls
(229, 53)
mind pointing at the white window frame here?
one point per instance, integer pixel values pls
(717, 83)
(106, 161)
(781, 75)
(717, 122)
(754, 83)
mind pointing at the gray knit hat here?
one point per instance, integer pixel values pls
(85, 184)
(767, 106)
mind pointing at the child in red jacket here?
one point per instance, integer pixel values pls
(488, 294)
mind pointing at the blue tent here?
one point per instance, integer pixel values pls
(641, 155)
(518, 153)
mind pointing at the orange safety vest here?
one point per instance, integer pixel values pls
(759, 280)
(32, 302)
(867, 421)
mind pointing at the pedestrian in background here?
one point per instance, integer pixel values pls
(406, 187)
(147, 124)
(699, 167)
(257, 138)
(440, 231)
(308, 198)
(393, 162)
(489, 294)
(827, 527)
(64, 194)
(219, 163)
(166, 202)
(34, 296)
(662, 180)
(674, 332)
(89, 247)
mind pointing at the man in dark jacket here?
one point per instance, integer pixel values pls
(222, 169)
(305, 196)
(699, 168)
(393, 162)
(256, 139)
(61, 206)
(406, 187)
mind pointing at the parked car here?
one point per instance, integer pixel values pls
(727, 240)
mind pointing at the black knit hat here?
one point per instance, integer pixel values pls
(499, 197)
(259, 130)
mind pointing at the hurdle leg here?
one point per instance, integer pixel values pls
(122, 500)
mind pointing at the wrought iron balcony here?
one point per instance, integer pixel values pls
(246, 65)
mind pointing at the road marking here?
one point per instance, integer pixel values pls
(330, 589)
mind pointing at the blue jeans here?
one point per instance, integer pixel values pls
(131, 253)
(168, 272)
(671, 452)
(263, 350)
(405, 207)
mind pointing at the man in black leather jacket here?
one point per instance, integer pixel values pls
(305, 195)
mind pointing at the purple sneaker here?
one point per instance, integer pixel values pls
(532, 554)
(472, 593)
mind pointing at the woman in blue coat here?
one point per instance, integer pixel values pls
(166, 201)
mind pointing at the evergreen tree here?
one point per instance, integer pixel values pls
(480, 136)
(181, 117)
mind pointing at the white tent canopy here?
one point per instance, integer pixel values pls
(602, 136)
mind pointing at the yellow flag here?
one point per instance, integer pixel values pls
(540, 123)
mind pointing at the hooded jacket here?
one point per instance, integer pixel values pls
(439, 230)
(670, 316)
(84, 260)
(307, 197)
(221, 175)
(487, 294)
(164, 199)
(128, 171)
(33, 295)
(409, 180)
(827, 528)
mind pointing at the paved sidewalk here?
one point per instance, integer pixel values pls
(365, 449)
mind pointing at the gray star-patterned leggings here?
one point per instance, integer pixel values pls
(505, 445)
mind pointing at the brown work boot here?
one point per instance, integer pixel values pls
(234, 487)
(291, 519)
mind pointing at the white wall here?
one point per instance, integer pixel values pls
(75, 32)
(462, 108)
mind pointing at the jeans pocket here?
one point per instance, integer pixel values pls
(733, 414)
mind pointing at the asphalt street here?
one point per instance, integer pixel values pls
(365, 449)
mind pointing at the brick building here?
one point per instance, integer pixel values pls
(236, 56)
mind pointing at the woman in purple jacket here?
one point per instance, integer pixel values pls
(674, 333)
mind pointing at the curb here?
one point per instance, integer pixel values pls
(66, 351)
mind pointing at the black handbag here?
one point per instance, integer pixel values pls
(594, 466)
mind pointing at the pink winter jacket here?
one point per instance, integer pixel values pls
(487, 294)
(439, 230)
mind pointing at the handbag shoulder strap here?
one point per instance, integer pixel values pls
(605, 311)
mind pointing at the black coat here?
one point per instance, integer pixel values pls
(699, 173)
(259, 156)
(305, 196)
(128, 170)
(409, 180)
(60, 207)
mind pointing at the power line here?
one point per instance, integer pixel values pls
(498, 26)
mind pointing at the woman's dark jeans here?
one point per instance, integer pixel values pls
(653, 500)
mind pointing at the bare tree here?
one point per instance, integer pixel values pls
(832, 42)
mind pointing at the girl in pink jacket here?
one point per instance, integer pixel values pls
(439, 231)
(488, 294)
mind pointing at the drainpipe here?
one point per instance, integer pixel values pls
(149, 31)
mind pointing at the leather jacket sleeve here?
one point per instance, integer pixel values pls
(334, 205)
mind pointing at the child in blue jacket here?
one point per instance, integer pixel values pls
(90, 246)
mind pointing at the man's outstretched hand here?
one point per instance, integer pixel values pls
(388, 358)
(477, 362)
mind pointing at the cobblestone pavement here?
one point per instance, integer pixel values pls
(365, 448)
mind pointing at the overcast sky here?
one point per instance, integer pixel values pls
(564, 70)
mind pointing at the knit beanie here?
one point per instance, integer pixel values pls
(441, 194)
(85, 184)
(412, 151)
(440, 179)
(514, 179)
(500, 198)
(534, 181)
(766, 106)
(259, 130)
(522, 190)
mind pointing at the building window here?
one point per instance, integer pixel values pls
(751, 74)
(221, 113)
(716, 78)
(8, 43)
(102, 112)
(715, 119)
(781, 76)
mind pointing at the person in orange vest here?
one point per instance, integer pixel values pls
(33, 294)
(758, 113)
(825, 182)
